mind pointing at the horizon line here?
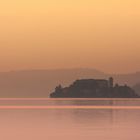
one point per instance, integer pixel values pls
(70, 99)
(74, 68)
(73, 107)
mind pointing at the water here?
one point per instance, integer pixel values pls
(68, 119)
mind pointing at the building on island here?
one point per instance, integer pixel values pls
(94, 88)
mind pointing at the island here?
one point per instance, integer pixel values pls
(94, 88)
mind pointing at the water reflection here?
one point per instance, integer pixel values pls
(77, 124)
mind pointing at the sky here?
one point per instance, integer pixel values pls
(57, 34)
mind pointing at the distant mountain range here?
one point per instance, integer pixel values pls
(40, 83)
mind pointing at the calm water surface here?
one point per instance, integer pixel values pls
(69, 119)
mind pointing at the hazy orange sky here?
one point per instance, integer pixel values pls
(50, 34)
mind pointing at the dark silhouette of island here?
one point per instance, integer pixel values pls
(94, 88)
(40, 83)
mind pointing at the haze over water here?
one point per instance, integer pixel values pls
(78, 119)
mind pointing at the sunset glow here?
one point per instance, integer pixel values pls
(52, 34)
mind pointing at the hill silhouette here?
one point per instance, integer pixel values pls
(40, 83)
(137, 87)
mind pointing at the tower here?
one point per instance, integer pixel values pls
(111, 82)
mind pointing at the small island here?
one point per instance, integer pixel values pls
(94, 88)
